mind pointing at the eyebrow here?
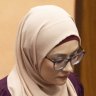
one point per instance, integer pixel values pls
(60, 54)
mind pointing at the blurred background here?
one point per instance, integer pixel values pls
(84, 13)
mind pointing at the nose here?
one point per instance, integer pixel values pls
(68, 68)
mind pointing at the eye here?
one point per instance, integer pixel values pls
(58, 60)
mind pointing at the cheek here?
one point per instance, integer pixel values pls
(50, 75)
(47, 72)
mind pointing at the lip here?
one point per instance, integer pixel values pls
(62, 77)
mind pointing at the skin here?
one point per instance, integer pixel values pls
(58, 77)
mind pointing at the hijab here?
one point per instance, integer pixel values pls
(40, 30)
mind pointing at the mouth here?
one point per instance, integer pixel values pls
(63, 77)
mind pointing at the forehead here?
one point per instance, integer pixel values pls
(65, 48)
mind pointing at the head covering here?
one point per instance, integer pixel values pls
(69, 38)
(40, 30)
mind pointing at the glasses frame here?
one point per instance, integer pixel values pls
(68, 58)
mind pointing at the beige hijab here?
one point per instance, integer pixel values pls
(40, 30)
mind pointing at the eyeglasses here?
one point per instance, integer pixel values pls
(61, 60)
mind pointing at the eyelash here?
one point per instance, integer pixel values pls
(58, 61)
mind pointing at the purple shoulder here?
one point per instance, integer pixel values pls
(76, 83)
(3, 87)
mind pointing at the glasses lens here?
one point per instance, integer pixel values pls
(60, 65)
(76, 59)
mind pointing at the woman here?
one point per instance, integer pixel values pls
(47, 48)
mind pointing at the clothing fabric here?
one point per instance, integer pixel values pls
(4, 88)
(73, 78)
(40, 31)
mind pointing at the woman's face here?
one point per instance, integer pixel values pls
(47, 67)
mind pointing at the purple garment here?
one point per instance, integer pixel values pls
(3, 87)
(77, 85)
(75, 81)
